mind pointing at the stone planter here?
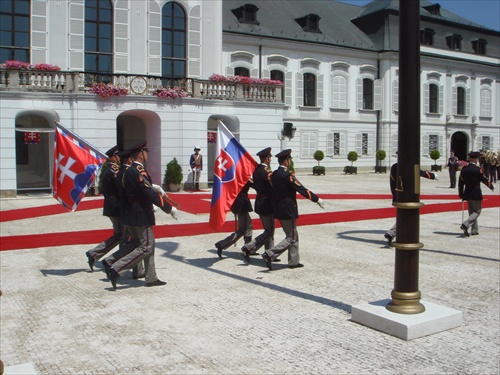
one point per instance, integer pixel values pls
(435, 167)
(174, 187)
(318, 170)
(380, 169)
(350, 170)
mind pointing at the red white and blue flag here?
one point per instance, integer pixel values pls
(233, 168)
(76, 164)
(31, 138)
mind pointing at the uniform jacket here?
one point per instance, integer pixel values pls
(264, 189)
(469, 183)
(394, 175)
(140, 197)
(242, 202)
(196, 161)
(110, 191)
(285, 187)
(121, 190)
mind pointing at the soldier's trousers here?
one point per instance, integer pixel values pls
(107, 245)
(290, 243)
(244, 230)
(144, 238)
(265, 238)
(474, 212)
(125, 248)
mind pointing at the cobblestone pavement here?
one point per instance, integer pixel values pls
(225, 317)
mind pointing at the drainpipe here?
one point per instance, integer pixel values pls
(379, 131)
(260, 60)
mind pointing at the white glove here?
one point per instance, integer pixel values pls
(174, 213)
(159, 189)
(436, 176)
(321, 203)
(155, 208)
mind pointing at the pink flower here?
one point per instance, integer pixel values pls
(170, 93)
(106, 90)
(244, 80)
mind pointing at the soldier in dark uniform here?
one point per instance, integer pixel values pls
(469, 189)
(139, 218)
(285, 187)
(111, 208)
(263, 205)
(125, 246)
(452, 169)
(241, 207)
(196, 163)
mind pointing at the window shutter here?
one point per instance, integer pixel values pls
(479, 142)
(377, 104)
(441, 144)
(359, 142)
(121, 37)
(441, 99)
(254, 73)
(300, 89)
(288, 88)
(76, 34)
(394, 143)
(454, 101)
(329, 143)
(229, 71)
(467, 102)
(492, 144)
(154, 38)
(395, 95)
(359, 94)
(426, 98)
(39, 32)
(343, 144)
(194, 42)
(425, 145)
(266, 73)
(320, 90)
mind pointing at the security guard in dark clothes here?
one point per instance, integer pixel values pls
(263, 205)
(126, 246)
(111, 208)
(469, 189)
(241, 207)
(285, 187)
(139, 218)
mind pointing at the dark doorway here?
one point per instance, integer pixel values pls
(459, 145)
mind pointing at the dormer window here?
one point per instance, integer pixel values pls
(309, 23)
(454, 42)
(433, 9)
(479, 46)
(427, 37)
(246, 14)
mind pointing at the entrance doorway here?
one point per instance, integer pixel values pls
(459, 145)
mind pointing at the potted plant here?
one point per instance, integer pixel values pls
(352, 156)
(435, 155)
(379, 168)
(318, 169)
(173, 176)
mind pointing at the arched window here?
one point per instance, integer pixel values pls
(309, 90)
(367, 93)
(15, 30)
(99, 37)
(243, 72)
(460, 101)
(485, 103)
(433, 98)
(339, 97)
(173, 29)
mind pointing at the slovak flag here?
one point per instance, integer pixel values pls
(233, 168)
(75, 167)
(31, 138)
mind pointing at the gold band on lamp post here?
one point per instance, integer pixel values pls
(405, 303)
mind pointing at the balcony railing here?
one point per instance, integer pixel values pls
(80, 82)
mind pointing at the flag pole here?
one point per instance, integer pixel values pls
(80, 139)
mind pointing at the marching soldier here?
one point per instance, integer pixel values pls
(263, 205)
(469, 189)
(139, 218)
(111, 208)
(196, 163)
(285, 186)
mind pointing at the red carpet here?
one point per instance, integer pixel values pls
(180, 230)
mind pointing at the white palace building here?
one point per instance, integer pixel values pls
(338, 65)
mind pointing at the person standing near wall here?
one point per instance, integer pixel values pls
(196, 163)
(452, 169)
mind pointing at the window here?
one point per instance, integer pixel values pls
(367, 93)
(99, 37)
(309, 144)
(364, 143)
(433, 142)
(485, 142)
(454, 42)
(339, 97)
(278, 75)
(433, 98)
(433, 9)
(15, 30)
(173, 41)
(246, 14)
(427, 37)
(460, 101)
(309, 23)
(244, 72)
(485, 110)
(335, 144)
(429, 143)
(309, 90)
(479, 46)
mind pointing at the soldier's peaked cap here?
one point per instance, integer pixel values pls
(124, 154)
(474, 154)
(112, 151)
(284, 154)
(265, 152)
(139, 147)
(196, 148)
